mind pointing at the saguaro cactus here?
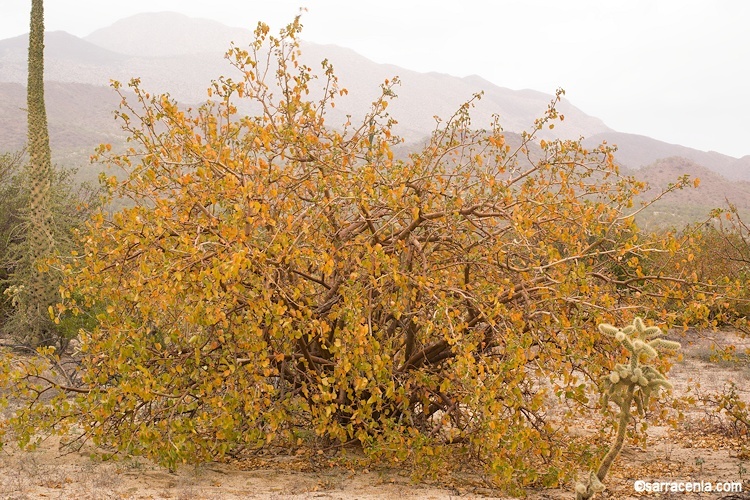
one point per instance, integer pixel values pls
(634, 382)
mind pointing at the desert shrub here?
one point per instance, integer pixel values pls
(731, 403)
(722, 255)
(10, 168)
(278, 276)
(714, 253)
(71, 204)
(709, 259)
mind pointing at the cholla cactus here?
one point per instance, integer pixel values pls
(635, 381)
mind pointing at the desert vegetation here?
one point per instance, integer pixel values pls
(279, 282)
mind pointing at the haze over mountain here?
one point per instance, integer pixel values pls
(688, 205)
(636, 151)
(183, 59)
(173, 53)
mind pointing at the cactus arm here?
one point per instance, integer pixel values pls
(625, 385)
(622, 427)
(669, 345)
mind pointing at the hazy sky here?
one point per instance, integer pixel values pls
(675, 70)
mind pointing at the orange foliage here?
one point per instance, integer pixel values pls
(278, 276)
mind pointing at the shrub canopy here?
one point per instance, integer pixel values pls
(277, 276)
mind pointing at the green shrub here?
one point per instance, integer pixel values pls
(71, 204)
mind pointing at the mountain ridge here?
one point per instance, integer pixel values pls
(636, 151)
(168, 63)
(195, 35)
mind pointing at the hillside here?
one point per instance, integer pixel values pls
(184, 58)
(690, 204)
(80, 117)
(67, 59)
(636, 151)
(144, 35)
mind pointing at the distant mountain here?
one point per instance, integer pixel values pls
(80, 117)
(67, 59)
(180, 55)
(59, 46)
(689, 204)
(167, 34)
(636, 151)
(740, 169)
(174, 53)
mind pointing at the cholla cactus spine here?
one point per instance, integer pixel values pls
(634, 382)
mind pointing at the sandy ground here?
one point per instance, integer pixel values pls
(702, 448)
(45, 474)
